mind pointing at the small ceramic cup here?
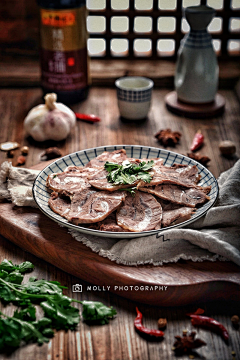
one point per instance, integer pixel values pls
(134, 96)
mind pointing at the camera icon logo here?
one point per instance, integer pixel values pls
(77, 288)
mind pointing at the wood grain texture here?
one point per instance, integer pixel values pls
(22, 71)
(118, 340)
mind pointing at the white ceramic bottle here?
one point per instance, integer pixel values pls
(196, 76)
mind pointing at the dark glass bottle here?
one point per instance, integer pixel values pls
(63, 52)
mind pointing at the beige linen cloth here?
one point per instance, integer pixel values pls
(214, 236)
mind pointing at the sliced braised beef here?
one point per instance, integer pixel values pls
(179, 195)
(73, 169)
(157, 162)
(187, 171)
(174, 214)
(140, 213)
(90, 206)
(99, 181)
(117, 156)
(73, 179)
(175, 189)
(108, 224)
(182, 175)
(60, 205)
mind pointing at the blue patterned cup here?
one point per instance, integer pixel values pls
(134, 96)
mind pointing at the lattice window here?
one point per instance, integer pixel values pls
(153, 29)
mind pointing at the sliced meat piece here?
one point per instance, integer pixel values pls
(71, 180)
(117, 156)
(100, 181)
(179, 195)
(90, 206)
(173, 213)
(108, 224)
(167, 205)
(140, 213)
(176, 216)
(73, 169)
(60, 205)
(188, 171)
(182, 175)
(157, 161)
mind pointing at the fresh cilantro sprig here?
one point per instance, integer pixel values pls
(128, 173)
(95, 311)
(58, 311)
(8, 266)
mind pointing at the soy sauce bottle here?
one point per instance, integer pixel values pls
(63, 50)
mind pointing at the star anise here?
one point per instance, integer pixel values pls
(167, 137)
(187, 342)
(51, 153)
(200, 158)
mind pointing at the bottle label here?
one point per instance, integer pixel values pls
(64, 58)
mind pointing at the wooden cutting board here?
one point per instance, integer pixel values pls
(169, 285)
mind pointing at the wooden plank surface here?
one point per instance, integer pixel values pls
(26, 72)
(118, 340)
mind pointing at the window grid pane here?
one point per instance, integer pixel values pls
(154, 28)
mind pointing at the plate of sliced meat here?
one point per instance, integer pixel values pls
(125, 191)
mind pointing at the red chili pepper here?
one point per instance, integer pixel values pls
(88, 117)
(199, 311)
(197, 141)
(210, 323)
(139, 326)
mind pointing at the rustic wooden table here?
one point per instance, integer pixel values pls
(118, 340)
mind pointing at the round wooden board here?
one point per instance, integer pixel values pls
(195, 111)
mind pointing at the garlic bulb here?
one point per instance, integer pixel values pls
(51, 121)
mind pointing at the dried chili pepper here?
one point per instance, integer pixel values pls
(139, 326)
(88, 117)
(199, 311)
(197, 141)
(198, 320)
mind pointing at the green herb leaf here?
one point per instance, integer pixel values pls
(8, 266)
(62, 314)
(144, 176)
(29, 313)
(42, 287)
(97, 312)
(6, 294)
(59, 313)
(10, 332)
(25, 266)
(127, 173)
(148, 166)
(131, 190)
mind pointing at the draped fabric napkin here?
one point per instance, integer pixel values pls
(214, 236)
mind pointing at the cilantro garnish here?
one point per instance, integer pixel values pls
(58, 311)
(128, 173)
(131, 190)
